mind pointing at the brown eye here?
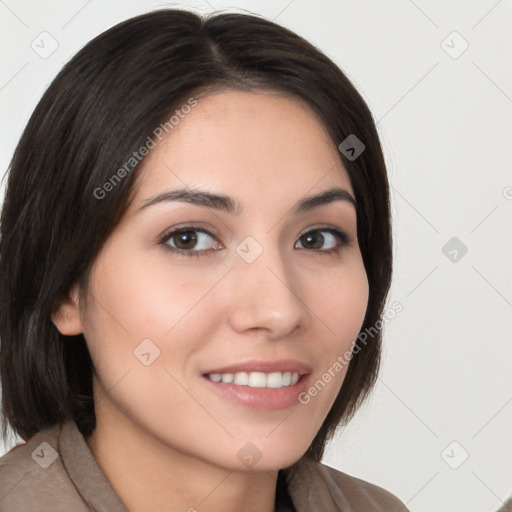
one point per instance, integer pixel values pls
(190, 241)
(323, 240)
(185, 240)
(312, 240)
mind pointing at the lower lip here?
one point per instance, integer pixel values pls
(266, 399)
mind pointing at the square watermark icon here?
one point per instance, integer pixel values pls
(45, 45)
(45, 455)
(455, 455)
(249, 249)
(146, 352)
(454, 45)
(249, 454)
(351, 147)
(454, 249)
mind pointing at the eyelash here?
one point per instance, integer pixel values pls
(343, 238)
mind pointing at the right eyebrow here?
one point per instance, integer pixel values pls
(199, 198)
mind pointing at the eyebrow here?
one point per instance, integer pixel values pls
(230, 205)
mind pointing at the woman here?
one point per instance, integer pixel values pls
(195, 231)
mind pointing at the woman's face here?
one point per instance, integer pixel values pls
(257, 279)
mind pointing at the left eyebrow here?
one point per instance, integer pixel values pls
(230, 205)
(326, 197)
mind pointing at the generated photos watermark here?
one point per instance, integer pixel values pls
(344, 359)
(143, 151)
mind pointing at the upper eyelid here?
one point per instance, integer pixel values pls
(323, 227)
(169, 233)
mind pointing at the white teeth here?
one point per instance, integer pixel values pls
(241, 378)
(257, 379)
(274, 380)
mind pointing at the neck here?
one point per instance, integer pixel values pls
(150, 476)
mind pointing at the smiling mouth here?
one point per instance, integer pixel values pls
(271, 380)
(258, 390)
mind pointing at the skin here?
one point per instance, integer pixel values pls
(162, 436)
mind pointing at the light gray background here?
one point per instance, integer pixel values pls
(444, 120)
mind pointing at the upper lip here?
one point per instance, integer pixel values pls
(281, 365)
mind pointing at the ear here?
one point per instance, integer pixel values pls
(66, 315)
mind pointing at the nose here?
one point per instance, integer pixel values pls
(266, 297)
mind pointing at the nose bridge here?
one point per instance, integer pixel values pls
(266, 293)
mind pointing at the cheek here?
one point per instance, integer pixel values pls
(137, 292)
(149, 309)
(132, 301)
(341, 303)
(340, 307)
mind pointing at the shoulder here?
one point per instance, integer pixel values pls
(32, 474)
(507, 506)
(358, 489)
(336, 490)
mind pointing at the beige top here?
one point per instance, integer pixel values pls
(56, 471)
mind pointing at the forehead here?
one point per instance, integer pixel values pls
(254, 146)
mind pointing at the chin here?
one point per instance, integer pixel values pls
(273, 457)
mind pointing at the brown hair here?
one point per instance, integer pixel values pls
(101, 108)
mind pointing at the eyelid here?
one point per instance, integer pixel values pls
(343, 238)
(200, 226)
(341, 233)
(166, 235)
